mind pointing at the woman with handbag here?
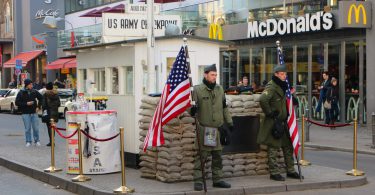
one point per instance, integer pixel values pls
(332, 99)
(50, 107)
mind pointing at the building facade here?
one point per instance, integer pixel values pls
(28, 35)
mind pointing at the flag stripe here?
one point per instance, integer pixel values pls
(174, 100)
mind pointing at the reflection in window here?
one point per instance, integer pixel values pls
(229, 69)
(115, 88)
(129, 80)
(244, 69)
(99, 79)
(317, 67)
(302, 67)
(257, 64)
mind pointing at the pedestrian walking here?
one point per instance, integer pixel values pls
(51, 103)
(211, 112)
(333, 99)
(28, 101)
(323, 91)
(273, 130)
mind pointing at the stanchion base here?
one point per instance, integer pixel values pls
(123, 190)
(304, 163)
(81, 178)
(52, 169)
(355, 172)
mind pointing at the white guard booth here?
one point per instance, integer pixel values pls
(120, 72)
(98, 157)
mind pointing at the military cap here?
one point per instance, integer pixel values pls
(280, 68)
(209, 68)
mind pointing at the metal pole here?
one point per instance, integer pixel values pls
(80, 177)
(355, 171)
(307, 139)
(150, 46)
(123, 189)
(373, 129)
(303, 162)
(52, 168)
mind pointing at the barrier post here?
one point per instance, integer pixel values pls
(355, 171)
(123, 189)
(52, 168)
(80, 177)
(303, 162)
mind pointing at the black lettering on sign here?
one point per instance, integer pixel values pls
(109, 23)
(114, 23)
(161, 24)
(97, 162)
(96, 150)
(143, 24)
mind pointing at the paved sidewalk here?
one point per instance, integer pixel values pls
(340, 139)
(31, 161)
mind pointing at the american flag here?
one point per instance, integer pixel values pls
(174, 100)
(292, 123)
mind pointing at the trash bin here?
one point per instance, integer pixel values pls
(98, 157)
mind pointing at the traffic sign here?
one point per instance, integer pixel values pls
(18, 64)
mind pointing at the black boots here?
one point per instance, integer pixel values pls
(221, 184)
(277, 177)
(293, 175)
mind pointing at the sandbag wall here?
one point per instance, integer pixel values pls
(174, 161)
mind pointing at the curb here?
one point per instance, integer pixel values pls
(338, 149)
(81, 188)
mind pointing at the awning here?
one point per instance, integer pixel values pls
(26, 57)
(71, 64)
(59, 63)
(90, 14)
(120, 8)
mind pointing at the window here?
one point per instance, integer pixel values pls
(115, 81)
(129, 81)
(99, 79)
(7, 18)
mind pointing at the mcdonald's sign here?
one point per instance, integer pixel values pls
(215, 32)
(355, 14)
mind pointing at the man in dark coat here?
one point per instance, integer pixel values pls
(50, 107)
(211, 113)
(273, 103)
(28, 100)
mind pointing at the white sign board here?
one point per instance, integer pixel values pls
(98, 157)
(141, 8)
(128, 26)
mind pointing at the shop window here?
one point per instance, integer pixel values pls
(99, 79)
(228, 77)
(129, 80)
(115, 80)
(271, 62)
(244, 68)
(257, 65)
(302, 70)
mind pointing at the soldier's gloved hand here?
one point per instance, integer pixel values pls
(193, 110)
(231, 127)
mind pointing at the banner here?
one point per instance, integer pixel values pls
(130, 26)
(98, 157)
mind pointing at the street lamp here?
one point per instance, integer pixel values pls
(51, 22)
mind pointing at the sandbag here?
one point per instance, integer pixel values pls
(147, 106)
(189, 147)
(186, 159)
(262, 172)
(187, 177)
(145, 119)
(250, 167)
(147, 170)
(239, 161)
(228, 168)
(227, 162)
(187, 172)
(144, 126)
(236, 104)
(246, 98)
(168, 169)
(150, 100)
(168, 162)
(148, 158)
(256, 97)
(250, 172)
(233, 98)
(188, 135)
(239, 168)
(187, 166)
(143, 133)
(187, 140)
(148, 175)
(238, 173)
(188, 120)
(174, 122)
(147, 112)
(262, 154)
(148, 165)
(261, 166)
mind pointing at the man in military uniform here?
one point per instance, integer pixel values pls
(211, 112)
(273, 103)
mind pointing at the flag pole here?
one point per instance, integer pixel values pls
(194, 103)
(295, 154)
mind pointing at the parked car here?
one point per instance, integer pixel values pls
(66, 97)
(7, 103)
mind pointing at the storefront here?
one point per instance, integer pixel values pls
(312, 42)
(31, 64)
(119, 70)
(66, 68)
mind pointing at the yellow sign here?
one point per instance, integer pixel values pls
(65, 71)
(357, 10)
(215, 32)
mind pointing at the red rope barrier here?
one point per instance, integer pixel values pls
(324, 125)
(63, 136)
(61, 129)
(100, 140)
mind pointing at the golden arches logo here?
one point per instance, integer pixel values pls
(357, 9)
(215, 32)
